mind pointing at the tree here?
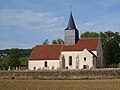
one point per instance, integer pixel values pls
(14, 58)
(89, 35)
(46, 42)
(108, 35)
(6, 58)
(112, 53)
(4, 63)
(58, 41)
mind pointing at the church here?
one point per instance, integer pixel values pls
(75, 53)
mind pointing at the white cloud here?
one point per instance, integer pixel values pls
(46, 24)
(29, 20)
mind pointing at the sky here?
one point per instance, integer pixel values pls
(26, 23)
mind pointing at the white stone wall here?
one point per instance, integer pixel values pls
(80, 55)
(39, 64)
(89, 59)
(74, 55)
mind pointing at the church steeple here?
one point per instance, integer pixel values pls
(71, 33)
(71, 23)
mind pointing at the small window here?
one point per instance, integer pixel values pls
(70, 60)
(45, 64)
(84, 58)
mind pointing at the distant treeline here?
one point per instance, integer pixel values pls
(22, 52)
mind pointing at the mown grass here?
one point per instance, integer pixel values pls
(106, 84)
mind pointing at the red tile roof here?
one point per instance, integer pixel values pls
(46, 52)
(52, 52)
(84, 43)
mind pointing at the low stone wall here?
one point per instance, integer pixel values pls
(61, 74)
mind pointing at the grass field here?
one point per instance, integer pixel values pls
(107, 84)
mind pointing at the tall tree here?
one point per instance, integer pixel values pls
(112, 53)
(108, 35)
(14, 58)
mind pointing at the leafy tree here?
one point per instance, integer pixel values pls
(24, 61)
(58, 41)
(4, 63)
(106, 36)
(112, 53)
(14, 58)
(103, 38)
(46, 42)
(117, 37)
(6, 58)
(90, 35)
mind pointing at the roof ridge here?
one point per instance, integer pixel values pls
(51, 45)
(91, 52)
(90, 38)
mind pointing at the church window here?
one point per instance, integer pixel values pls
(84, 58)
(45, 64)
(70, 60)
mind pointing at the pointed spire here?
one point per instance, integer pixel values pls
(71, 23)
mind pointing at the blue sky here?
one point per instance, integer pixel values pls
(25, 23)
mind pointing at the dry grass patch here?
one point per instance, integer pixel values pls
(107, 84)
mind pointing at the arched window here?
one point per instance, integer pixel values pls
(45, 64)
(70, 60)
(84, 58)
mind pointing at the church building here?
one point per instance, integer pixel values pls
(75, 53)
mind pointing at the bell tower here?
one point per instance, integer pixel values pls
(71, 34)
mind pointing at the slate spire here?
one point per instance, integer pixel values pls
(71, 23)
(71, 34)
